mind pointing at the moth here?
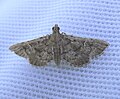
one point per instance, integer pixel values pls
(57, 47)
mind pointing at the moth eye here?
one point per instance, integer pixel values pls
(58, 28)
(91, 39)
(52, 28)
(74, 40)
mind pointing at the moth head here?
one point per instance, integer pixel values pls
(55, 28)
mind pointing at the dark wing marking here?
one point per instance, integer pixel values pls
(41, 55)
(78, 51)
(37, 51)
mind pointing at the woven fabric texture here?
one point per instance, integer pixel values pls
(22, 20)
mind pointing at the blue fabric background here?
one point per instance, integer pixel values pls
(28, 19)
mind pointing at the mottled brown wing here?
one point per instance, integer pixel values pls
(78, 51)
(37, 51)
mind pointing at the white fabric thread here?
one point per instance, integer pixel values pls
(28, 19)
